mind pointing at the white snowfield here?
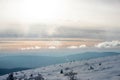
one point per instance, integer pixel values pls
(106, 68)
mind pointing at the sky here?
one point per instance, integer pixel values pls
(60, 18)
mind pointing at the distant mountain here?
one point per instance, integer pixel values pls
(90, 55)
(28, 61)
(6, 71)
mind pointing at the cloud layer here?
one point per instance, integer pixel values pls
(52, 31)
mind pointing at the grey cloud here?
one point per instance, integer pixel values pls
(8, 32)
(86, 33)
(44, 31)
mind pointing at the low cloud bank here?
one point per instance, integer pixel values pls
(82, 46)
(74, 47)
(51, 47)
(31, 48)
(109, 44)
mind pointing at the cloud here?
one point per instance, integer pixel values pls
(72, 47)
(37, 47)
(51, 47)
(82, 46)
(75, 47)
(77, 32)
(109, 44)
(52, 31)
(31, 48)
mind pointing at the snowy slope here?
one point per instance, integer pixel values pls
(105, 68)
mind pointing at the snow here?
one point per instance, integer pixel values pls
(105, 68)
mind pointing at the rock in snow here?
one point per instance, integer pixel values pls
(105, 68)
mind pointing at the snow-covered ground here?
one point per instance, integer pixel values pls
(105, 68)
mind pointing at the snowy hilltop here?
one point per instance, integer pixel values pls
(105, 68)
